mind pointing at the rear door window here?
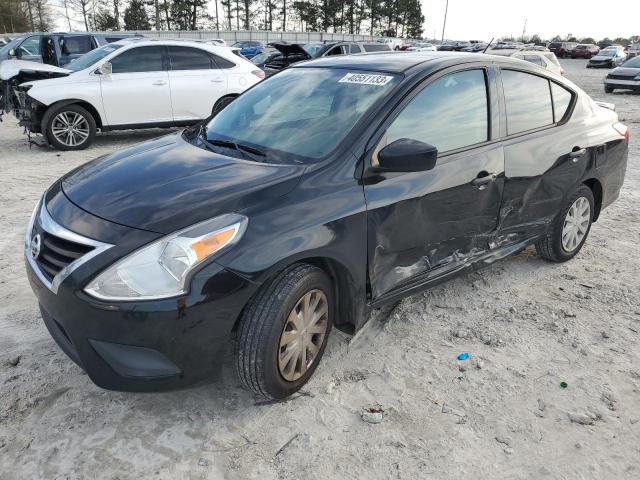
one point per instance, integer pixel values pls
(376, 47)
(355, 48)
(528, 101)
(139, 59)
(187, 58)
(561, 101)
(450, 113)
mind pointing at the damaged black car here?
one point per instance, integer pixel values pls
(329, 190)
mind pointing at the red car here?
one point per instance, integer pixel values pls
(585, 50)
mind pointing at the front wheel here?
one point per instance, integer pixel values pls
(70, 127)
(570, 229)
(283, 331)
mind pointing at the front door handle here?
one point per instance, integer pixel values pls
(483, 179)
(159, 83)
(577, 153)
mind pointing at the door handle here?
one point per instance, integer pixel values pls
(483, 179)
(216, 80)
(576, 154)
(159, 83)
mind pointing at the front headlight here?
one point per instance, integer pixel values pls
(161, 269)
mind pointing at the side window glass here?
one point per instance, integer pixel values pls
(528, 101)
(75, 45)
(140, 59)
(335, 51)
(534, 59)
(561, 101)
(31, 46)
(219, 62)
(355, 49)
(450, 113)
(187, 58)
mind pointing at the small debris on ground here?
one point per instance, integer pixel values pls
(372, 414)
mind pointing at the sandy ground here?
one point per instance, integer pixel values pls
(529, 325)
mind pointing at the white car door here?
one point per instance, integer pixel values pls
(196, 82)
(137, 91)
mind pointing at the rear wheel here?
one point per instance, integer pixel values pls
(283, 331)
(221, 104)
(570, 229)
(70, 127)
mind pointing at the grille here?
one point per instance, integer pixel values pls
(56, 253)
(620, 77)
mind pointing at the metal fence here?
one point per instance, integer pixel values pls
(232, 36)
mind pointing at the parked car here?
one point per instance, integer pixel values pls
(608, 57)
(333, 188)
(248, 48)
(453, 46)
(625, 77)
(422, 47)
(474, 47)
(546, 60)
(562, 49)
(217, 41)
(585, 50)
(57, 49)
(392, 43)
(265, 57)
(293, 53)
(633, 50)
(125, 85)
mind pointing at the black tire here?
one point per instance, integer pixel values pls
(262, 324)
(221, 104)
(72, 109)
(550, 246)
(608, 89)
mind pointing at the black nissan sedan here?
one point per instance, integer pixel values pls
(330, 189)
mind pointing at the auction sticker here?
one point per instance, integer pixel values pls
(366, 79)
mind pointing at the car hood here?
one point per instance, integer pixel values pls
(626, 71)
(167, 184)
(11, 68)
(291, 49)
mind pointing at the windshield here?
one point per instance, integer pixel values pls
(12, 44)
(88, 59)
(607, 53)
(306, 112)
(261, 58)
(313, 48)
(633, 63)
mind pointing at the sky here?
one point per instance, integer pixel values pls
(484, 19)
(481, 20)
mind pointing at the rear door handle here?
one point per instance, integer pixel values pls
(217, 80)
(482, 181)
(159, 83)
(575, 155)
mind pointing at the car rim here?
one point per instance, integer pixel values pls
(70, 128)
(576, 224)
(303, 335)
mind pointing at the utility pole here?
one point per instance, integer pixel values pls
(524, 30)
(444, 24)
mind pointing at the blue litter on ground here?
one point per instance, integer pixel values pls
(464, 356)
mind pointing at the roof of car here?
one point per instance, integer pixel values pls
(398, 62)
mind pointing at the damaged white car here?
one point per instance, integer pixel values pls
(124, 85)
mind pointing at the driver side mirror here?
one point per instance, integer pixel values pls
(105, 69)
(12, 53)
(406, 155)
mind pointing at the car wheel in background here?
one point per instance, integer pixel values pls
(69, 127)
(283, 331)
(608, 89)
(221, 104)
(570, 229)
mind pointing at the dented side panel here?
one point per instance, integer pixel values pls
(431, 221)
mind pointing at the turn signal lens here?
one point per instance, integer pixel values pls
(622, 129)
(210, 245)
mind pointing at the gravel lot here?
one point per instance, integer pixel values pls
(528, 325)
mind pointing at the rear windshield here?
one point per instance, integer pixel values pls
(555, 45)
(301, 114)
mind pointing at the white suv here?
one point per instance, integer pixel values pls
(132, 84)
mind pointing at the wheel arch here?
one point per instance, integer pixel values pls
(83, 103)
(596, 188)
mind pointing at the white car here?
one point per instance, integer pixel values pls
(422, 47)
(393, 43)
(546, 60)
(124, 85)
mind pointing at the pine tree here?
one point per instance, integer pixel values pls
(135, 16)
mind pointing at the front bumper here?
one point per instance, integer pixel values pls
(144, 346)
(620, 83)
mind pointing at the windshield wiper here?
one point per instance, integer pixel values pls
(243, 149)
